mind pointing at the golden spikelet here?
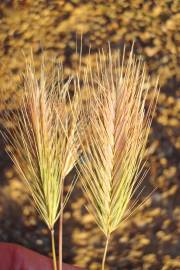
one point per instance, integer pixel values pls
(118, 124)
(43, 146)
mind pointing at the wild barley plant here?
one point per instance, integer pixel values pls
(118, 123)
(68, 110)
(42, 143)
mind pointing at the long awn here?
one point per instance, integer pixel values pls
(43, 145)
(118, 119)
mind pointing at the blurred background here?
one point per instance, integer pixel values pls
(150, 238)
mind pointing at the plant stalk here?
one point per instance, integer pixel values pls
(53, 250)
(105, 252)
(61, 231)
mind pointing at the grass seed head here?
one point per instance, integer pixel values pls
(119, 119)
(42, 141)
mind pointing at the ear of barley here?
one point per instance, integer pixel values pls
(42, 141)
(117, 130)
(68, 110)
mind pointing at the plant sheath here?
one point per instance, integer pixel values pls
(61, 232)
(105, 252)
(53, 250)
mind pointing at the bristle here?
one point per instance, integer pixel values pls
(117, 132)
(43, 143)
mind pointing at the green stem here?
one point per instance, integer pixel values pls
(53, 250)
(105, 252)
(60, 231)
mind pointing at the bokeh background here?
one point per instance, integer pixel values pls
(151, 238)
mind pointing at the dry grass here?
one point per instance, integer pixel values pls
(43, 146)
(49, 137)
(118, 124)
